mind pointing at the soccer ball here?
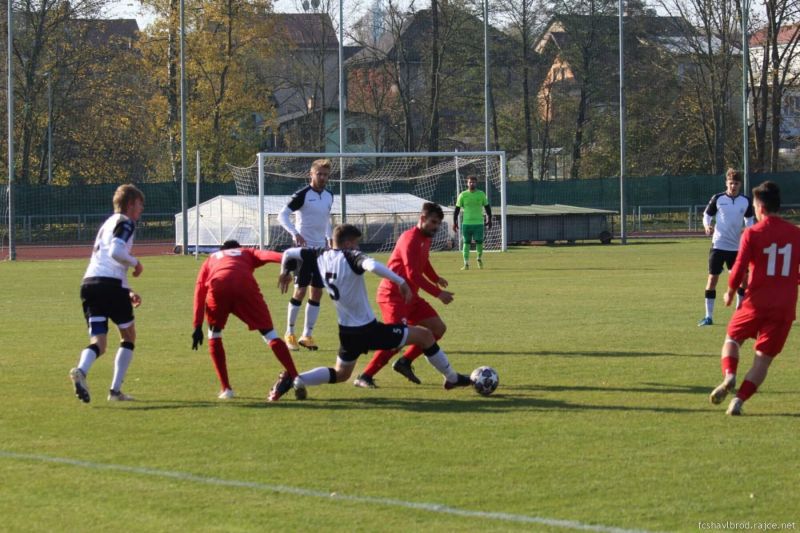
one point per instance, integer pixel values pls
(485, 380)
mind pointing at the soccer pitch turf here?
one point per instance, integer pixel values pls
(601, 420)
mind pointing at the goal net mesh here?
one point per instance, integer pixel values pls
(383, 193)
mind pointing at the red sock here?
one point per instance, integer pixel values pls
(414, 351)
(378, 361)
(729, 365)
(217, 351)
(747, 389)
(281, 351)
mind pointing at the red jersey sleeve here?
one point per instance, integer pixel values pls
(200, 291)
(430, 272)
(262, 257)
(415, 268)
(739, 270)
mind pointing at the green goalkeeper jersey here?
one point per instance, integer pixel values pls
(472, 204)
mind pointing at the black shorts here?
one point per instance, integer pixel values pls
(106, 298)
(374, 336)
(718, 258)
(308, 275)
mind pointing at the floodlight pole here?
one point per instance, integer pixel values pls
(197, 208)
(184, 198)
(486, 93)
(12, 250)
(342, 200)
(49, 129)
(623, 233)
(261, 223)
(745, 126)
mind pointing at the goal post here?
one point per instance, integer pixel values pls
(381, 193)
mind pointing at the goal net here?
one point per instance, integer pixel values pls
(380, 193)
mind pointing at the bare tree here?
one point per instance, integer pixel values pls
(525, 21)
(709, 40)
(772, 71)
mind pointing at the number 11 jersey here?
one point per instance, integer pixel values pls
(770, 250)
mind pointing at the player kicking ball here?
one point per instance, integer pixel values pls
(342, 269)
(105, 293)
(771, 251)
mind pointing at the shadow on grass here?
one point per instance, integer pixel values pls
(582, 353)
(655, 388)
(496, 403)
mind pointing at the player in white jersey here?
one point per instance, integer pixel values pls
(342, 270)
(105, 293)
(728, 209)
(311, 206)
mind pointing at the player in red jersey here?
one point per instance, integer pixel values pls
(410, 260)
(226, 285)
(771, 251)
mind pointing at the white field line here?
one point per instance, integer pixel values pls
(283, 489)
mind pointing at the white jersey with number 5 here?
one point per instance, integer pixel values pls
(342, 272)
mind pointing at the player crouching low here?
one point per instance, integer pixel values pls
(342, 269)
(225, 285)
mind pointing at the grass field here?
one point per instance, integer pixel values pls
(601, 419)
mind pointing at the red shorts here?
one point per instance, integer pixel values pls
(398, 312)
(244, 301)
(770, 334)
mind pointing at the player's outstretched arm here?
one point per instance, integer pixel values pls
(379, 269)
(293, 259)
(266, 256)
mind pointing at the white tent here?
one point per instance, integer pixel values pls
(380, 217)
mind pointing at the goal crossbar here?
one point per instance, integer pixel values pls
(362, 176)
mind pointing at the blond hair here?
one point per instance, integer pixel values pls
(124, 196)
(321, 163)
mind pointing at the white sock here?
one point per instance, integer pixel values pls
(440, 363)
(317, 376)
(312, 313)
(88, 357)
(121, 364)
(292, 317)
(710, 306)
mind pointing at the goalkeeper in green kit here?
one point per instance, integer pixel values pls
(474, 203)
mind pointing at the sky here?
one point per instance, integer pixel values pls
(133, 9)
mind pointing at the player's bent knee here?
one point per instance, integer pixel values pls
(344, 369)
(420, 336)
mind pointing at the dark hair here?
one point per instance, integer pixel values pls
(769, 195)
(472, 177)
(227, 245)
(345, 232)
(431, 208)
(733, 174)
